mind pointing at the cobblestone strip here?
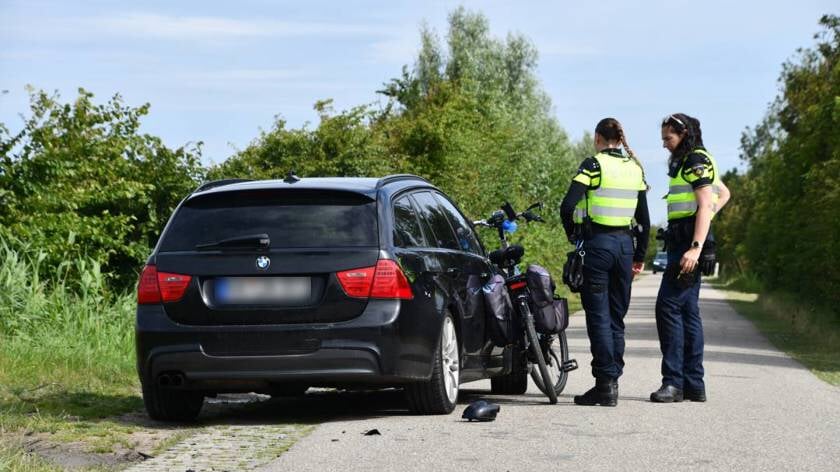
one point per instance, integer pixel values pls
(226, 448)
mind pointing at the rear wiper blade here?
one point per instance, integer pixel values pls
(249, 240)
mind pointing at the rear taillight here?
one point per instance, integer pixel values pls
(390, 282)
(385, 280)
(157, 287)
(518, 285)
(172, 286)
(147, 289)
(356, 282)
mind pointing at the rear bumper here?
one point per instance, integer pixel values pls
(375, 348)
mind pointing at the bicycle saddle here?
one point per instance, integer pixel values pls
(511, 253)
(481, 410)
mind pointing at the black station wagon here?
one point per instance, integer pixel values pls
(276, 286)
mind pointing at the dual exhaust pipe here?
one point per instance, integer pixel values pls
(171, 380)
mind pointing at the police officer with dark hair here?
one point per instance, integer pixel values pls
(695, 194)
(608, 192)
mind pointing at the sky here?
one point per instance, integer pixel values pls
(219, 72)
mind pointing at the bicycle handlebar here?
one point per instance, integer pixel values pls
(508, 213)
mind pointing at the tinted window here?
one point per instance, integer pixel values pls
(290, 218)
(431, 211)
(467, 240)
(407, 231)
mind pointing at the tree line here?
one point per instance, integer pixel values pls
(782, 225)
(81, 180)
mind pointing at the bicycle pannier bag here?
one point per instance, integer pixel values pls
(551, 313)
(499, 311)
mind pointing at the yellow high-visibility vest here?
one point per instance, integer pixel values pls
(681, 200)
(613, 202)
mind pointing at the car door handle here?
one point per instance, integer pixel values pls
(453, 270)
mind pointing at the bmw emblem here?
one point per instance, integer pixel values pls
(263, 262)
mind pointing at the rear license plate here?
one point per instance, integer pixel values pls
(263, 290)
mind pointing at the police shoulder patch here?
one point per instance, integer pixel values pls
(698, 171)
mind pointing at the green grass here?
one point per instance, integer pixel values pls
(807, 332)
(66, 354)
(14, 459)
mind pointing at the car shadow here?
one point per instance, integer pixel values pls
(318, 406)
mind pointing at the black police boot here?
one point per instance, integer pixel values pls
(604, 393)
(667, 394)
(695, 395)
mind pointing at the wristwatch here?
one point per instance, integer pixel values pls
(696, 245)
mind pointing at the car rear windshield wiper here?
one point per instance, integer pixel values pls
(249, 240)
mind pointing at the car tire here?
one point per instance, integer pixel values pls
(164, 404)
(439, 394)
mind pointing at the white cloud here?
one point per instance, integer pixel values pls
(554, 48)
(156, 26)
(236, 79)
(396, 49)
(196, 27)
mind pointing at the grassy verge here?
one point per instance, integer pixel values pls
(14, 459)
(66, 361)
(807, 332)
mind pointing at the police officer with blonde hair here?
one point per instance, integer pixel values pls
(606, 195)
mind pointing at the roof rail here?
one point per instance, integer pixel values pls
(397, 177)
(219, 183)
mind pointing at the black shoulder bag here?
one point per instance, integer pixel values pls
(573, 268)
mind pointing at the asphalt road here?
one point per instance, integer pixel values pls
(765, 412)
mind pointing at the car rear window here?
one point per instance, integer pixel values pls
(299, 218)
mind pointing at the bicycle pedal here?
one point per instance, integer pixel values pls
(570, 365)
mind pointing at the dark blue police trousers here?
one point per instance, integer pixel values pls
(608, 273)
(680, 328)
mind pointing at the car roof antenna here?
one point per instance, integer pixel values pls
(291, 177)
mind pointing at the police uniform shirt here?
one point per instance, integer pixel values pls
(589, 172)
(697, 169)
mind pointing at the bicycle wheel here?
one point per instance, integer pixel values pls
(536, 350)
(558, 353)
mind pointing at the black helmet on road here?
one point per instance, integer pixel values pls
(480, 410)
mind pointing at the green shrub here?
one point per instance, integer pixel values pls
(80, 180)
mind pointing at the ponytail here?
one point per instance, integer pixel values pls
(623, 139)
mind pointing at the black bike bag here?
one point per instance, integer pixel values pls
(499, 311)
(551, 313)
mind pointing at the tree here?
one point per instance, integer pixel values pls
(80, 179)
(471, 117)
(782, 223)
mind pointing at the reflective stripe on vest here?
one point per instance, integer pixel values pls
(614, 202)
(681, 199)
